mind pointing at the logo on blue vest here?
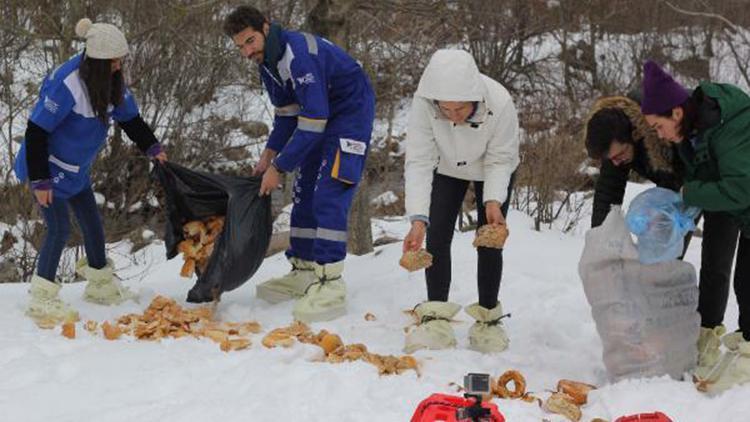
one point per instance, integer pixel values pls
(50, 105)
(306, 79)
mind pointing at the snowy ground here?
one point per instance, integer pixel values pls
(48, 377)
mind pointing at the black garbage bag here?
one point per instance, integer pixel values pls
(241, 247)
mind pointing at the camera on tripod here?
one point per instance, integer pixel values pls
(477, 384)
(469, 408)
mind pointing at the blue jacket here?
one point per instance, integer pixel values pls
(321, 94)
(76, 134)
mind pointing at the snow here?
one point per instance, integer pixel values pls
(384, 199)
(588, 170)
(283, 220)
(135, 207)
(48, 377)
(152, 201)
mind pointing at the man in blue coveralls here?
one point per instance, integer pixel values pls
(324, 112)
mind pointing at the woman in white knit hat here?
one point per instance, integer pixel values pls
(67, 128)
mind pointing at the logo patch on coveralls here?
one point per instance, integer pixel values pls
(50, 105)
(306, 79)
(353, 147)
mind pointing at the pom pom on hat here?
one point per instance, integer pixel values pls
(83, 26)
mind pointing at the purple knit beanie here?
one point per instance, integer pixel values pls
(661, 92)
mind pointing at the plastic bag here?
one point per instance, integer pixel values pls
(660, 221)
(241, 247)
(646, 315)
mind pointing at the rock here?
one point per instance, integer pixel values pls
(9, 272)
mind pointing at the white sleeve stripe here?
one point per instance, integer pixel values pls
(63, 165)
(312, 43)
(311, 125)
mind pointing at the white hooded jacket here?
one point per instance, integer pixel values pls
(485, 148)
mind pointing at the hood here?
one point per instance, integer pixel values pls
(731, 100)
(659, 152)
(451, 75)
(274, 46)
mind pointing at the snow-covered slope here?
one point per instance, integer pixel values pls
(48, 377)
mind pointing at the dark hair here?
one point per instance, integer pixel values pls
(690, 117)
(605, 126)
(243, 17)
(103, 86)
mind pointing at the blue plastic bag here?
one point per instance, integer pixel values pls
(660, 221)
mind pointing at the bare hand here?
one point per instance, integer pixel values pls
(264, 162)
(161, 157)
(270, 181)
(43, 197)
(414, 239)
(494, 213)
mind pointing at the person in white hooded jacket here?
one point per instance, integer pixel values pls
(463, 127)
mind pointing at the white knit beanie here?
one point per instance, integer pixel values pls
(103, 41)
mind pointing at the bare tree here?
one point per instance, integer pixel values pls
(555, 57)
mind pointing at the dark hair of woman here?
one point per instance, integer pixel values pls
(690, 117)
(103, 86)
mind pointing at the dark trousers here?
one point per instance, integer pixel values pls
(720, 234)
(446, 200)
(58, 232)
(742, 283)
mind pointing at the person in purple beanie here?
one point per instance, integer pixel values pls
(711, 127)
(67, 128)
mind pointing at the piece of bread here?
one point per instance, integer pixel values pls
(578, 391)
(519, 385)
(416, 260)
(330, 342)
(188, 268)
(491, 236)
(278, 337)
(562, 404)
(69, 330)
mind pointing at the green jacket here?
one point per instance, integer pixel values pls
(717, 161)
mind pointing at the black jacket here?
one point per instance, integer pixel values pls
(653, 159)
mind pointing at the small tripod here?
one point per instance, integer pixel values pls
(474, 413)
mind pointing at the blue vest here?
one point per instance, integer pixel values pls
(321, 94)
(76, 135)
